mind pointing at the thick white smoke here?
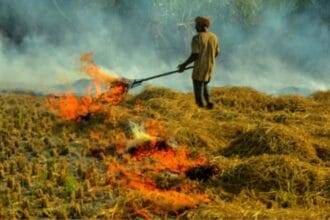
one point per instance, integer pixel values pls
(139, 38)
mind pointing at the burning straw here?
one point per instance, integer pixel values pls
(69, 106)
(150, 168)
(152, 161)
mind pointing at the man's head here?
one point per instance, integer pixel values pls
(202, 24)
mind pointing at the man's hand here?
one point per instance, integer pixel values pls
(193, 57)
(181, 67)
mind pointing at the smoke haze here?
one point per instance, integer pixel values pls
(41, 42)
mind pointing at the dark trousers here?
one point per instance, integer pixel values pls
(200, 90)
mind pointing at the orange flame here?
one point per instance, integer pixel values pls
(149, 159)
(95, 72)
(115, 94)
(177, 161)
(71, 107)
(143, 213)
(150, 154)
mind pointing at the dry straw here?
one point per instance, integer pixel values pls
(271, 156)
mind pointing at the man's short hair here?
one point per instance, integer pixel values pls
(203, 21)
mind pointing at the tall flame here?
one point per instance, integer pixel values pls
(94, 71)
(71, 107)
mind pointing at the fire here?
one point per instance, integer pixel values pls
(149, 157)
(143, 213)
(169, 159)
(146, 159)
(71, 107)
(94, 71)
(115, 93)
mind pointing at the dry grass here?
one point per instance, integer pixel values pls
(271, 156)
(272, 139)
(275, 173)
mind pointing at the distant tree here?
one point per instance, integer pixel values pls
(322, 7)
(247, 11)
(303, 5)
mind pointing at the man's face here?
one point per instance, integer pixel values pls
(198, 27)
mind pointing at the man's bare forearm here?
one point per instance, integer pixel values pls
(192, 58)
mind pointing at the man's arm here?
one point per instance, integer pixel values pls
(192, 58)
(194, 54)
(217, 52)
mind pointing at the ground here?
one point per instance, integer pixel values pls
(157, 155)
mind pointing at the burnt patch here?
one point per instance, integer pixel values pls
(101, 151)
(149, 146)
(202, 173)
(85, 118)
(323, 152)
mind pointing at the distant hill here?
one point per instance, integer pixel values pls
(80, 86)
(294, 91)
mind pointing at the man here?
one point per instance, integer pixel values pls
(205, 48)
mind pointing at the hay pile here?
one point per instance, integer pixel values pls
(322, 96)
(269, 156)
(275, 173)
(276, 139)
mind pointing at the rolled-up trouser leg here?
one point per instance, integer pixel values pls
(206, 92)
(198, 92)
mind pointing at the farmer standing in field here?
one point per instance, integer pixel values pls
(205, 48)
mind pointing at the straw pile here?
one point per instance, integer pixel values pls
(276, 139)
(267, 156)
(275, 173)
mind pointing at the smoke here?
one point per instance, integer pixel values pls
(281, 54)
(41, 42)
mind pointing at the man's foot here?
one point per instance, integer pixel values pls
(210, 105)
(200, 105)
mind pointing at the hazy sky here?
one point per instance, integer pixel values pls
(280, 51)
